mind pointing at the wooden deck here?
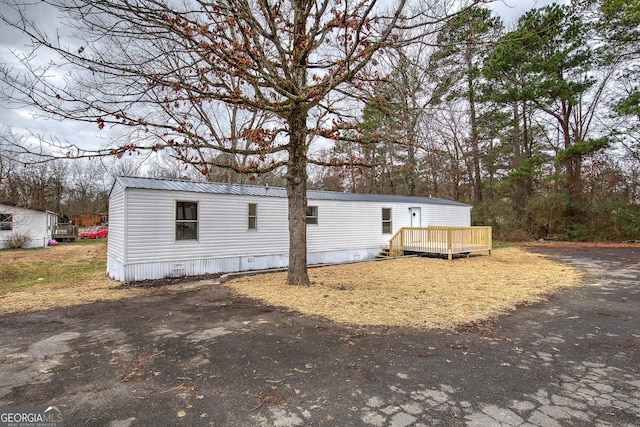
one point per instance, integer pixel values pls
(65, 232)
(440, 240)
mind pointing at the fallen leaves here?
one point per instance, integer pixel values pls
(273, 399)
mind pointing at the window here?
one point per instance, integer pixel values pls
(386, 221)
(312, 215)
(6, 222)
(253, 216)
(186, 220)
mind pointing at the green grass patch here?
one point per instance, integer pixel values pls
(500, 244)
(20, 275)
(85, 241)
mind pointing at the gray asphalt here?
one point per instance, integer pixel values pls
(195, 355)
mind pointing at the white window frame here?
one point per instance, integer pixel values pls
(183, 221)
(6, 222)
(387, 222)
(252, 226)
(312, 215)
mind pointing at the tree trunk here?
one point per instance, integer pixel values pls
(475, 148)
(523, 186)
(572, 164)
(297, 163)
(297, 196)
(527, 140)
(412, 170)
(574, 188)
(517, 135)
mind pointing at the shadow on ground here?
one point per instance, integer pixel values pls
(193, 354)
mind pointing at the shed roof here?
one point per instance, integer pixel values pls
(256, 190)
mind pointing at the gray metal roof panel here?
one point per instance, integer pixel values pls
(256, 190)
(390, 198)
(33, 208)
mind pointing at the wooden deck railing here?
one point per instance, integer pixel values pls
(441, 240)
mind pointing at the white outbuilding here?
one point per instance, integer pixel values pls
(164, 228)
(34, 226)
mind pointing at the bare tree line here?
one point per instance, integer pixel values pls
(427, 98)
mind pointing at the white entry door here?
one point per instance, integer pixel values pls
(416, 220)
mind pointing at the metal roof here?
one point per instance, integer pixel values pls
(256, 190)
(33, 208)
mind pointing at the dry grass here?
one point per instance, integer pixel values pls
(422, 292)
(57, 276)
(409, 291)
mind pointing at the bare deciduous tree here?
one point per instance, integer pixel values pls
(164, 68)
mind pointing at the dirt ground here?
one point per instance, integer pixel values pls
(198, 354)
(413, 291)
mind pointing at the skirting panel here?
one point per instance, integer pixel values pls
(195, 267)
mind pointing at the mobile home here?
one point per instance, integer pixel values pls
(162, 228)
(34, 224)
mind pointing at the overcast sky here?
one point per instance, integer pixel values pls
(24, 120)
(510, 10)
(27, 120)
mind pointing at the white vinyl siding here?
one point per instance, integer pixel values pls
(347, 225)
(36, 223)
(357, 224)
(222, 232)
(142, 241)
(444, 215)
(116, 247)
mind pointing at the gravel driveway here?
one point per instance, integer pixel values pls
(195, 355)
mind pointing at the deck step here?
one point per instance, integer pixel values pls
(384, 253)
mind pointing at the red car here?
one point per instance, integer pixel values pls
(94, 232)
